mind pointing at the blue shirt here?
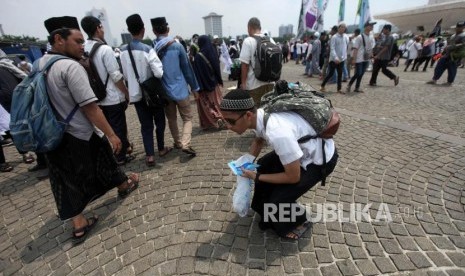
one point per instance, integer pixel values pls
(177, 72)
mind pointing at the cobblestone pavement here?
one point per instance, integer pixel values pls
(401, 149)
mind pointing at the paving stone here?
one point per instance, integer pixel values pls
(291, 264)
(308, 260)
(439, 259)
(353, 240)
(365, 228)
(347, 267)
(219, 268)
(457, 258)
(336, 237)
(367, 267)
(358, 253)
(384, 265)
(398, 229)
(320, 241)
(425, 244)
(459, 241)
(443, 243)
(419, 260)
(330, 270)
(340, 251)
(324, 255)
(402, 262)
(407, 243)
(415, 230)
(374, 249)
(308, 272)
(391, 246)
(455, 272)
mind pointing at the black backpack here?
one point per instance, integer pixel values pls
(99, 88)
(8, 82)
(268, 60)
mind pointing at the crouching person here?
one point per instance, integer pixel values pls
(287, 172)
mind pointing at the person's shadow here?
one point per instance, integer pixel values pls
(242, 242)
(55, 235)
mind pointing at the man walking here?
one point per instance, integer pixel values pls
(147, 64)
(117, 95)
(382, 58)
(83, 166)
(363, 51)
(177, 74)
(453, 53)
(339, 44)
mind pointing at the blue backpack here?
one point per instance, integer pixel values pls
(33, 123)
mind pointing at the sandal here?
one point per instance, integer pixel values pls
(189, 150)
(91, 222)
(5, 167)
(298, 231)
(176, 146)
(132, 184)
(126, 160)
(28, 158)
(165, 151)
(150, 161)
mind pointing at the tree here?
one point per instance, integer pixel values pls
(19, 39)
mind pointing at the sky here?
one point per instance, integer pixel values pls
(25, 17)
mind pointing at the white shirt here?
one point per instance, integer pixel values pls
(338, 47)
(249, 47)
(299, 48)
(147, 63)
(304, 47)
(358, 44)
(414, 50)
(283, 129)
(107, 66)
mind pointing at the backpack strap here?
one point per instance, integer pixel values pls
(162, 51)
(47, 66)
(302, 140)
(92, 53)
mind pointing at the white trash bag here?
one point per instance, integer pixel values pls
(242, 194)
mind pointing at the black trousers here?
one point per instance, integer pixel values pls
(286, 194)
(332, 67)
(381, 65)
(116, 117)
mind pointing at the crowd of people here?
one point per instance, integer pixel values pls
(96, 145)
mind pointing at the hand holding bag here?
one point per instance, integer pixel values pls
(153, 92)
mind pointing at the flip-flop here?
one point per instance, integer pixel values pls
(28, 158)
(166, 150)
(91, 222)
(133, 183)
(299, 230)
(130, 149)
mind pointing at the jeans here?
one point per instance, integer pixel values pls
(147, 117)
(308, 67)
(444, 64)
(116, 117)
(360, 69)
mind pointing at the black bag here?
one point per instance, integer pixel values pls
(268, 60)
(99, 88)
(153, 92)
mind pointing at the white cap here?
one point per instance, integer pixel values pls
(316, 34)
(215, 37)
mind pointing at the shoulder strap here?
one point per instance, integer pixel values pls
(160, 52)
(133, 62)
(206, 60)
(363, 38)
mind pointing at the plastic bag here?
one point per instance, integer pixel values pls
(243, 193)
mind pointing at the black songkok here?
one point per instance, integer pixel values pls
(55, 23)
(158, 22)
(89, 24)
(135, 23)
(237, 100)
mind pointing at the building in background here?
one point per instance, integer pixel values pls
(285, 30)
(213, 24)
(126, 37)
(101, 14)
(423, 18)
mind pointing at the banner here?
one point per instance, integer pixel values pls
(342, 8)
(364, 12)
(311, 16)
